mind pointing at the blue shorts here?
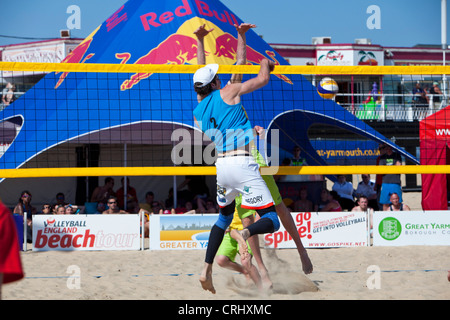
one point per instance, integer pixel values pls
(387, 189)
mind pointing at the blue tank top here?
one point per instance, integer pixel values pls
(226, 125)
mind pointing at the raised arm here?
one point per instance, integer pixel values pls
(201, 33)
(241, 51)
(232, 93)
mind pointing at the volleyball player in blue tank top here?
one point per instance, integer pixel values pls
(221, 116)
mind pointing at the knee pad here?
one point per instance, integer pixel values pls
(224, 221)
(272, 215)
(225, 216)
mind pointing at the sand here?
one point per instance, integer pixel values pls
(412, 272)
(409, 272)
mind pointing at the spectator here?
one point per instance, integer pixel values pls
(436, 92)
(207, 206)
(157, 208)
(102, 194)
(101, 207)
(397, 204)
(345, 191)
(169, 201)
(303, 204)
(187, 208)
(363, 205)
(420, 98)
(324, 200)
(69, 209)
(133, 208)
(131, 193)
(46, 209)
(149, 198)
(6, 89)
(333, 204)
(9, 96)
(60, 209)
(61, 201)
(297, 160)
(113, 207)
(391, 183)
(24, 205)
(367, 188)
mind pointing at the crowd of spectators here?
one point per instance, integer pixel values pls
(382, 194)
(193, 196)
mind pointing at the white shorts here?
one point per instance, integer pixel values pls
(240, 175)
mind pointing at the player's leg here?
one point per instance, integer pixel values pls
(226, 259)
(215, 239)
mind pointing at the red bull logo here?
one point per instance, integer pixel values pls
(115, 19)
(176, 49)
(181, 48)
(153, 20)
(77, 55)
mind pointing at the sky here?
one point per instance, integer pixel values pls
(401, 23)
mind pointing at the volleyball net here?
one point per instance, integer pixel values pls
(67, 120)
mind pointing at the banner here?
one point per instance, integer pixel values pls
(86, 232)
(347, 152)
(172, 232)
(323, 230)
(400, 228)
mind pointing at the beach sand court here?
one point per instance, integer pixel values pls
(410, 272)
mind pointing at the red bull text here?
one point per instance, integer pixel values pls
(152, 19)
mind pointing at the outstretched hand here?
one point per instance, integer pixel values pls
(201, 32)
(244, 27)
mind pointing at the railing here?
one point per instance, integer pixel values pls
(382, 111)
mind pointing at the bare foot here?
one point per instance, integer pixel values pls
(265, 279)
(206, 279)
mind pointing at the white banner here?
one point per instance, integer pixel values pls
(349, 56)
(184, 231)
(323, 230)
(403, 228)
(86, 232)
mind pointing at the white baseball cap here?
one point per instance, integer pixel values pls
(206, 74)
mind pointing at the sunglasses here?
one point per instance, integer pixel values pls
(111, 202)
